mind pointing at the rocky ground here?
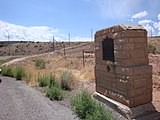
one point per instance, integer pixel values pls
(154, 60)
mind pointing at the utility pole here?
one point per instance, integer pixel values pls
(91, 34)
(8, 42)
(69, 38)
(151, 32)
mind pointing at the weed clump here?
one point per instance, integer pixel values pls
(7, 71)
(41, 64)
(43, 81)
(46, 80)
(19, 73)
(52, 81)
(151, 49)
(55, 93)
(88, 109)
(66, 78)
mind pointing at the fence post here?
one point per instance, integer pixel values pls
(83, 58)
(53, 44)
(64, 51)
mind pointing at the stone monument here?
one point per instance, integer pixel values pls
(122, 71)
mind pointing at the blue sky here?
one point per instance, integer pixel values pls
(77, 17)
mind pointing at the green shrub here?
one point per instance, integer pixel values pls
(55, 93)
(83, 104)
(7, 71)
(52, 81)
(43, 81)
(19, 73)
(41, 64)
(99, 114)
(88, 109)
(151, 49)
(66, 78)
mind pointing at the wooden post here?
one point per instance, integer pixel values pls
(64, 51)
(83, 58)
(53, 44)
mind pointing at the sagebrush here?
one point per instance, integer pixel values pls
(66, 78)
(40, 63)
(19, 73)
(55, 93)
(43, 80)
(7, 71)
(52, 80)
(88, 109)
(151, 49)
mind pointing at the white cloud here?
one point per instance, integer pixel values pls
(143, 22)
(159, 31)
(152, 26)
(156, 24)
(140, 14)
(158, 16)
(33, 33)
(150, 29)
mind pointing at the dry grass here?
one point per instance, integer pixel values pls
(56, 65)
(88, 72)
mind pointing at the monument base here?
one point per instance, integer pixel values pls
(129, 113)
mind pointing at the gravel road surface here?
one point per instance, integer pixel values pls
(21, 102)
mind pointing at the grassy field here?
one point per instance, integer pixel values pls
(56, 66)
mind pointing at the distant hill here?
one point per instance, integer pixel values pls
(14, 48)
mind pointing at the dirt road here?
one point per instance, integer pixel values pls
(21, 102)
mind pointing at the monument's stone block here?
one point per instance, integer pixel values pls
(122, 68)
